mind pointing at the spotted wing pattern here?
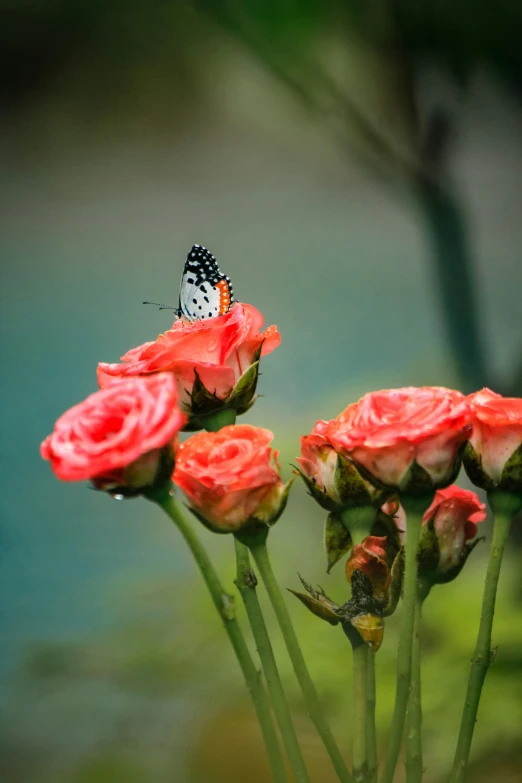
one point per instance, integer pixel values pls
(205, 291)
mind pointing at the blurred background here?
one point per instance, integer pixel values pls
(356, 169)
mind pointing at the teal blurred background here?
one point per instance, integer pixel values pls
(356, 169)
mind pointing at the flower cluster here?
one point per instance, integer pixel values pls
(123, 438)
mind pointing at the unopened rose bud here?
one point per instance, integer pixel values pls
(449, 529)
(231, 478)
(121, 438)
(448, 534)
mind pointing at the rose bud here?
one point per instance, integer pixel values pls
(121, 438)
(215, 361)
(369, 558)
(448, 535)
(375, 587)
(407, 439)
(493, 456)
(331, 479)
(231, 478)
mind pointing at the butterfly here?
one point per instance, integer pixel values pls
(205, 292)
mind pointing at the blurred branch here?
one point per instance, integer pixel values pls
(420, 163)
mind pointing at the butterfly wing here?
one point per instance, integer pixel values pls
(205, 292)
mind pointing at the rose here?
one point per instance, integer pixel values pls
(318, 460)
(121, 437)
(333, 480)
(448, 527)
(231, 477)
(408, 439)
(493, 456)
(207, 359)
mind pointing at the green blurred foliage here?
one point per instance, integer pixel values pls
(177, 659)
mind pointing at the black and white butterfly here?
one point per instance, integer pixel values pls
(205, 292)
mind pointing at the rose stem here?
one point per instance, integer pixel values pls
(360, 679)
(358, 521)
(504, 506)
(414, 508)
(414, 716)
(371, 734)
(224, 604)
(214, 421)
(257, 546)
(246, 583)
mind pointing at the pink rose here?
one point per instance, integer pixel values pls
(493, 458)
(406, 439)
(231, 477)
(120, 437)
(218, 351)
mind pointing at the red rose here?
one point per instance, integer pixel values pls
(116, 436)
(369, 557)
(493, 458)
(229, 477)
(391, 434)
(219, 350)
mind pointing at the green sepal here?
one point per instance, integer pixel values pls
(204, 521)
(318, 494)
(449, 576)
(351, 488)
(202, 401)
(243, 393)
(510, 480)
(337, 541)
(282, 503)
(317, 602)
(428, 555)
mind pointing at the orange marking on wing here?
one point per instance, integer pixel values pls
(224, 297)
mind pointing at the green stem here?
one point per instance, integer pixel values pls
(414, 717)
(358, 521)
(414, 508)
(257, 546)
(215, 421)
(371, 734)
(360, 674)
(246, 583)
(504, 506)
(224, 604)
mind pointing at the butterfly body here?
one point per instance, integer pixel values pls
(205, 292)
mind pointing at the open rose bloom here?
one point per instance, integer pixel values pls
(407, 439)
(231, 477)
(493, 456)
(207, 359)
(121, 438)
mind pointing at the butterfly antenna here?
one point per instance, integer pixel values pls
(162, 306)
